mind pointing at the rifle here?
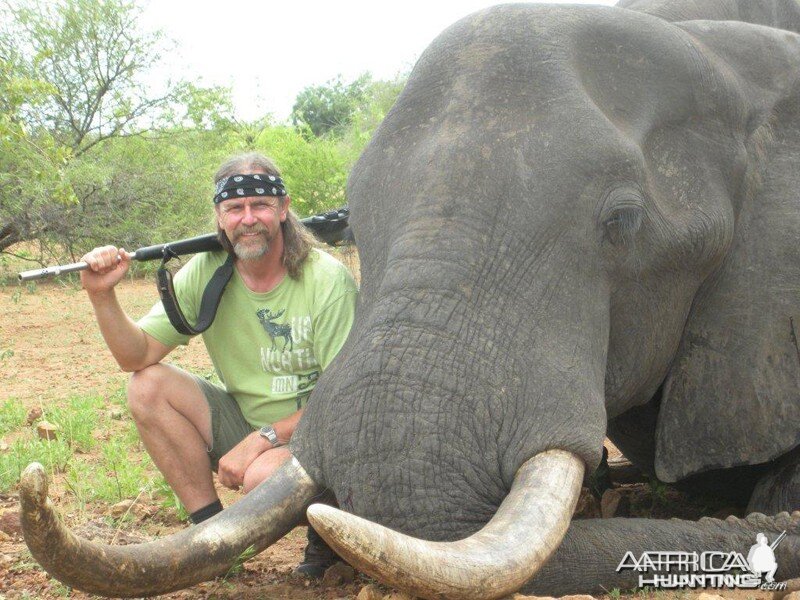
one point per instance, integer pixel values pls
(331, 227)
(778, 540)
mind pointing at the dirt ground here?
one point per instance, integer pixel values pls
(50, 349)
(58, 352)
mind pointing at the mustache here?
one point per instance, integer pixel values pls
(245, 229)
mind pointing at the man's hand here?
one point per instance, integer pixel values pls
(233, 465)
(107, 266)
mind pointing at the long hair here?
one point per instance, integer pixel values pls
(297, 240)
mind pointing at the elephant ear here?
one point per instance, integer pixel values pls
(732, 396)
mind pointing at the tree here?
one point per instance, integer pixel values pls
(204, 108)
(94, 57)
(329, 108)
(32, 163)
(140, 190)
(379, 98)
(73, 75)
(314, 169)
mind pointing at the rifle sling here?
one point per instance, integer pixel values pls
(209, 303)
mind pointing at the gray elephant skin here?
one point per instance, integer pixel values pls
(575, 220)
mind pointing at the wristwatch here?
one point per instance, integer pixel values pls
(268, 433)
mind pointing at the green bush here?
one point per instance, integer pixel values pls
(315, 169)
(140, 191)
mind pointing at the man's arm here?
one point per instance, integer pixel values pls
(234, 464)
(286, 426)
(132, 348)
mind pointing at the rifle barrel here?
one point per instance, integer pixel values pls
(61, 270)
(778, 540)
(331, 227)
(52, 271)
(202, 243)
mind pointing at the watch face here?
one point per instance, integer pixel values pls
(269, 433)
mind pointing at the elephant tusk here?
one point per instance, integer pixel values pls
(494, 562)
(196, 554)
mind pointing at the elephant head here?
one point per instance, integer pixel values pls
(565, 211)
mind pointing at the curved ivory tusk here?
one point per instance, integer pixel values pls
(492, 563)
(196, 554)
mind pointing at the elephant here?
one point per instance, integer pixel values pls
(575, 220)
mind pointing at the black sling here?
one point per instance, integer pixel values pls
(209, 303)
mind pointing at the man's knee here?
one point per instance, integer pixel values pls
(146, 391)
(160, 393)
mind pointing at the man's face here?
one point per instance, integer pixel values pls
(252, 223)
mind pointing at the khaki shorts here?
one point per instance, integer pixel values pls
(228, 425)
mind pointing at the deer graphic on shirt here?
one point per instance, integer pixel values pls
(266, 317)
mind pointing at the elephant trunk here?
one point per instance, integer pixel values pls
(196, 554)
(492, 563)
(588, 559)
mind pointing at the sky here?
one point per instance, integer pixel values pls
(268, 51)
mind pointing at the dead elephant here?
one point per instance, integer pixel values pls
(571, 218)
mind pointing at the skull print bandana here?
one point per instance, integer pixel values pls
(243, 186)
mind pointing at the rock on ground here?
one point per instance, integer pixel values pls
(338, 574)
(370, 592)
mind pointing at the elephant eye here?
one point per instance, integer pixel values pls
(623, 217)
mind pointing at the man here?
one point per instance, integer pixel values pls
(284, 315)
(761, 558)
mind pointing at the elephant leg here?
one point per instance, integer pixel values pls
(779, 488)
(611, 471)
(587, 560)
(599, 481)
(634, 433)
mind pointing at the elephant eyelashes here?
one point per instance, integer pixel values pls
(622, 224)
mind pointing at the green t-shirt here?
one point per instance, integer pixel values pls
(267, 348)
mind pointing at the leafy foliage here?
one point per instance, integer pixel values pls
(203, 108)
(343, 118)
(72, 76)
(93, 57)
(139, 191)
(330, 107)
(91, 155)
(315, 170)
(32, 163)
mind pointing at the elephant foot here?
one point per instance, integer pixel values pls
(621, 470)
(610, 471)
(779, 488)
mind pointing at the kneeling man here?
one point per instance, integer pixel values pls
(285, 313)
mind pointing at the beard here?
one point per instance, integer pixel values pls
(251, 247)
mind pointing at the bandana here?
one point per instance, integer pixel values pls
(242, 186)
